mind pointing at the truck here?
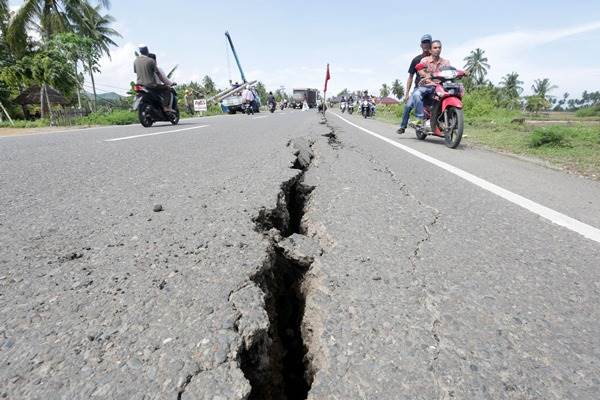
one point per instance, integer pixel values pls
(231, 99)
(300, 94)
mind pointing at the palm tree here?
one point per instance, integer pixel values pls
(45, 16)
(541, 87)
(511, 88)
(398, 89)
(478, 65)
(4, 12)
(92, 24)
(384, 91)
(512, 85)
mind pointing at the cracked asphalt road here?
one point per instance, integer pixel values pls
(425, 286)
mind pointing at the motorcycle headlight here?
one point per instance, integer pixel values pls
(451, 91)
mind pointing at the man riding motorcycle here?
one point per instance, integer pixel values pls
(271, 103)
(146, 70)
(248, 98)
(428, 66)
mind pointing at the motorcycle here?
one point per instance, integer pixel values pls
(247, 108)
(367, 109)
(272, 107)
(343, 106)
(283, 105)
(350, 108)
(149, 106)
(444, 116)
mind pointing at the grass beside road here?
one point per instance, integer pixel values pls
(114, 117)
(565, 140)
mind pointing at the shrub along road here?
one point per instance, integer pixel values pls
(280, 257)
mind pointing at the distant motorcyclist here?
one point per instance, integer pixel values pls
(248, 97)
(369, 100)
(271, 99)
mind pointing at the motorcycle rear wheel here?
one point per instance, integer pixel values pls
(457, 121)
(174, 119)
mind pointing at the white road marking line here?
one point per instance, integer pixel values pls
(554, 216)
(34, 133)
(262, 116)
(154, 133)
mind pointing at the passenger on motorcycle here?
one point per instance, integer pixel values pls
(408, 104)
(428, 67)
(164, 86)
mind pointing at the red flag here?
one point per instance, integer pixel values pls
(327, 78)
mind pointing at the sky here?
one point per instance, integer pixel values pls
(366, 44)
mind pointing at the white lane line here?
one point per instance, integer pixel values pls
(263, 116)
(154, 133)
(554, 216)
(34, 133)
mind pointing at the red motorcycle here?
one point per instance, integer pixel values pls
(444, 115)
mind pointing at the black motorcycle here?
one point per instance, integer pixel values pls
(366, 109)
(272, 107)
(149, 105)
(350, 108)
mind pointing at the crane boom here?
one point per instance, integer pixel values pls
(237, 60)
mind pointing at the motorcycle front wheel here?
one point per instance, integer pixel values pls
(456, 122)
(144, 115)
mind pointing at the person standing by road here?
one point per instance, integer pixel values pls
(408, 103)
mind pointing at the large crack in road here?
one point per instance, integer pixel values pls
(276, 365)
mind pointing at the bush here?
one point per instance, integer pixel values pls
(479, 103)
(593, 111)
(550, 136)
(393, 111)
(116, 117)
(19, 123)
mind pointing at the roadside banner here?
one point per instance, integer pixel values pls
(200, 105)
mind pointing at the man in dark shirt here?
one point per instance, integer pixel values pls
(408, 103)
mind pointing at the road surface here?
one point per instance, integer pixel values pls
(282, 256)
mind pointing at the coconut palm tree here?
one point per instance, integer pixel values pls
(477, 63)
(398, 89)
(511, 85)
(541, 87)
(46, 17)
(96, 26)
(384, 91)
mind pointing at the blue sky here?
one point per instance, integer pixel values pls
(367, 44)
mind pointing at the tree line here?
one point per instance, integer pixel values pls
(52, 44)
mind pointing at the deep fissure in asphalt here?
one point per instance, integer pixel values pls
(276, 366)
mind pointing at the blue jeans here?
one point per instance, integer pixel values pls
(407, 109)
(418, 99)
